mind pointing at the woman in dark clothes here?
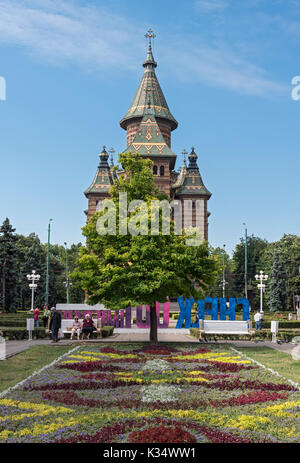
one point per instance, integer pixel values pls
(87, 326)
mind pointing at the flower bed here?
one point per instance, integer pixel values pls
(163, 394)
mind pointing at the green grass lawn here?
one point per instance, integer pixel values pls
(278, 361)
(18, 367)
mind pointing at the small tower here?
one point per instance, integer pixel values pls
(190, 189)
(99, 189)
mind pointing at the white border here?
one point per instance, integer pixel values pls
(266, 368)
(4, 393)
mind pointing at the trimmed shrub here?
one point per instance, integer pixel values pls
(283, 324)
(265, 334)
(16, 333)
(107, 331)
(13, 323)
(195, 332)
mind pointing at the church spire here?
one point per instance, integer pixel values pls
(149, 98)
(150, 61)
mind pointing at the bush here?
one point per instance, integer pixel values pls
(107, 331)
(283, 324)
(264, 334)
(195, 332)
(16, 333)
(13, 323)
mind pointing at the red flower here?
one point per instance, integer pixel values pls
(162, 434)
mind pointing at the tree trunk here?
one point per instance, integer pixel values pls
(153, 325)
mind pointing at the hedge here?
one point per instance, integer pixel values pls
(17, 333)
(107, 331)
(282, 335)
(283, 324)
(13, 323)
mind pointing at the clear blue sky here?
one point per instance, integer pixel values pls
(225, 67)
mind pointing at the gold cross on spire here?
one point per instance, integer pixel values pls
(150, 35)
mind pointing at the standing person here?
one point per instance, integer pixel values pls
(87, 326)
(55, 324)
(258, 320)
(46, 315)
(36, 314)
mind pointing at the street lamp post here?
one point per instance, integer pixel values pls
(224, 283)
(34, 278)
(67, 283)
(261, 277)
(246, 257)
(48, 262)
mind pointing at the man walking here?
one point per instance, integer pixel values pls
(55, 324)
(258, 320)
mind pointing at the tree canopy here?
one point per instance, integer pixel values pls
(123, 270)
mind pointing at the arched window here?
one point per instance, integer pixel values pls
(161, 171)
(154, 170)
(99, 205)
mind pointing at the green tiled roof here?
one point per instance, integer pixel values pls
(103, 179)
(189, 181)
(148, 140)
(149, 94)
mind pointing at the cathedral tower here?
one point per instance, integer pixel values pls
(148, 124)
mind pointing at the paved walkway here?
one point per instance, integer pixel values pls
(15, 347)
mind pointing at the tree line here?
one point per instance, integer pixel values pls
(280, 260)
(20, 254)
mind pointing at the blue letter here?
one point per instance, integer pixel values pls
(200, 313)
(246, 304)
(185, 312)
(213, 311)
(224, 312)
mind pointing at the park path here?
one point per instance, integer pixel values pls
(15, 347)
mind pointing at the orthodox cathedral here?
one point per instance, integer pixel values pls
(148, 124)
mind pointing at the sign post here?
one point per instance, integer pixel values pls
(30, 327)
(274, 329)
(2, 348)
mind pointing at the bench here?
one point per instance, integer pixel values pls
(233, 327)
(66, 326)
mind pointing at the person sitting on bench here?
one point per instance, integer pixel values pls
(87, 326)
(76, 328)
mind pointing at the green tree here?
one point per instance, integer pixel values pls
(217, 288)
(255, 249)
(277, 285)
(8, 267)
(288, 248)
(125, 270)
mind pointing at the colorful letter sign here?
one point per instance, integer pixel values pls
(212, 307)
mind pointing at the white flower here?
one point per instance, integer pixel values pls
(157, 365)
(160, 392)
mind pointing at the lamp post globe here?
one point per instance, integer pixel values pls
(33, 278)
(261, 277)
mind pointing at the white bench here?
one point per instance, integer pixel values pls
(233, 327)
(66, 325)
